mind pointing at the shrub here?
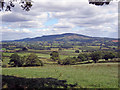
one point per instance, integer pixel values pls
(95, 56)
(68, 61)
(33, 60)
(30, 60)
(77, 51)
(54, 56)
(109, 55)
(83, 57)
(4, 65)
(24, 49)
(15, 60)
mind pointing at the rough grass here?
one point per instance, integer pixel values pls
(87, 76)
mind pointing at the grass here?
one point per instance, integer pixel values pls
(102, 75)
(43, 54)
(44, 57)
(87, 76)
(5, 61)
(97, 47)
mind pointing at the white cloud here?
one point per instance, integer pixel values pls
(70, 14)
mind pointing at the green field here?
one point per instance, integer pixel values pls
(87, 75)
(44, 55)
(99, 75)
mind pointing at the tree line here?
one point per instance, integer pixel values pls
(33, 60)
(95, 56)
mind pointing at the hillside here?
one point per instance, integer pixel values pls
(66, 37)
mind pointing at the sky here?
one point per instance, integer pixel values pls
(49, 17)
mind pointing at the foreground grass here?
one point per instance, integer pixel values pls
(87, 76)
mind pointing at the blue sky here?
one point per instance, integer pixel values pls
(48, 18)
(51, 21)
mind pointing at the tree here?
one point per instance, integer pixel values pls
(95, 56)
(23, 59)
(24, 49)
(6, 6)
(68, 61)
(77, 51)
(54, 55)
(33, 60)
(83, 57)
(15, 60)
(60, 48)
(109, 55)
(27, 4)
(2, 56)
(99, 2)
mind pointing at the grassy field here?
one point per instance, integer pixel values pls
(87, 75)
(100, 75)
(44, 55)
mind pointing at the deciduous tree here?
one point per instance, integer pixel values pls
(33, 60)
(54, 55)
(8, 5)
(15, 60)
(95, 56)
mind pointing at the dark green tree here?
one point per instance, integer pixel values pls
(95, 56)
(33, 60)
(23, 59)
(24, 49)
(109, 55)
(15, 60)
(60, 48)
(54, 56)
(2, 56)
(83, 57)
(77, 51)
(68, 61)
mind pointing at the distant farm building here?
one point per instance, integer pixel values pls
(114, 40)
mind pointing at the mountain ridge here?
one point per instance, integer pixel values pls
(64, 37)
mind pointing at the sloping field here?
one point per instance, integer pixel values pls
(86, 76)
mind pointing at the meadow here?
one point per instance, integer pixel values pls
(100, 75)
(43, 55)
(93, 75)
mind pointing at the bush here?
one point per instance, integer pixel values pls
(41, 63)
(33, 60)
(83, 57)
(116, 60)
(54, 56)
(30, 60)
(15, 60)
(109, 55)
(5, 66)
(24, 49)
(68, 61)
(95, 56)
(77, 51)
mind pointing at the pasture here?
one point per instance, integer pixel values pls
(43, 55)
(98, 75)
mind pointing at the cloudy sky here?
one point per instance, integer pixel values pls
(56, 17)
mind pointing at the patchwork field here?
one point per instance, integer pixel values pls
(99, 75)
(44, 55)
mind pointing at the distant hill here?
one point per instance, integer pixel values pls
(65, 37)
